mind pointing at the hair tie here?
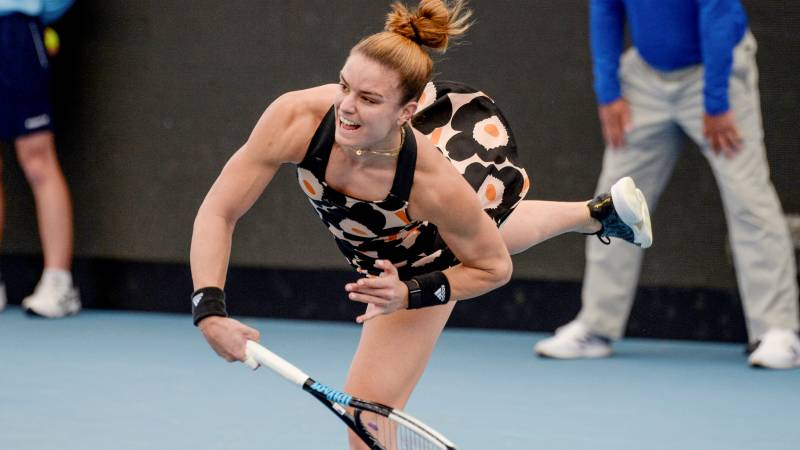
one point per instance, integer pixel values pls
(416, 37)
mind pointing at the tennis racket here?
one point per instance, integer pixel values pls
(379, 426)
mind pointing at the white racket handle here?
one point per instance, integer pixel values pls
(259, 355)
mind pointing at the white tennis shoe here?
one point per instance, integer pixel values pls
(623, 214)
(632, 208)
(572, 341)
(778, 349)
(52, 300)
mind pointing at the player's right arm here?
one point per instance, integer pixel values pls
(280, 136)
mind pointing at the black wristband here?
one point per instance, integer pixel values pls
(430, 289)
(207, 302)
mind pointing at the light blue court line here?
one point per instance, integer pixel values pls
(123, 380)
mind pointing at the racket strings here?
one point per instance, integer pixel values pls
(396, 436)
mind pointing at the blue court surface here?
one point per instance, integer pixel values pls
(124, 380)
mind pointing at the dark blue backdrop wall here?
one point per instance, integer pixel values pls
(152, 97)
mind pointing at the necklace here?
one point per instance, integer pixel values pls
(390, 152)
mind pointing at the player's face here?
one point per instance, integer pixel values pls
(368, 107)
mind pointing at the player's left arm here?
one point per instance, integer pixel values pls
(440, 195)
(447, 200)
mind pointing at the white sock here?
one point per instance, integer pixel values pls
(57, 277)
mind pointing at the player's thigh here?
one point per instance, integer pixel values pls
(393, 352)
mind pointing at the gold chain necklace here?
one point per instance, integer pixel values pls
(391, 152)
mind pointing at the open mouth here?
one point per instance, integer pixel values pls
(348, 125)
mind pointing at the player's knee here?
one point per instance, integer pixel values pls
(37, 157)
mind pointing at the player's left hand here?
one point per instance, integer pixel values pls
(722, 134)
(384, 294)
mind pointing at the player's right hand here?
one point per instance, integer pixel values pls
(228, 337)
(615, 119)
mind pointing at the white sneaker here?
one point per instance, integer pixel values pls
(623, 214)
(778, 349)
(632, 209)
(574, 340)
(52, 301)
(3, 299)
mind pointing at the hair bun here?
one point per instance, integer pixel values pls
(432, 24)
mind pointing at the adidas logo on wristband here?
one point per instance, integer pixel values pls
(208, 301)
(430, 289)
(196, 299)
(441, 293)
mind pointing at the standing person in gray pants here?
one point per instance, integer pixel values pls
(692, 70)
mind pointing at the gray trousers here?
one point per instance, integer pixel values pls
(663, 104)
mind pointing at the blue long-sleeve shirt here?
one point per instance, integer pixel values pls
(669, 35)
(48, 10)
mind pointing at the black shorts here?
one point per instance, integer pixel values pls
(24, 77)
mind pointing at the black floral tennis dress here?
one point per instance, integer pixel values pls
(470, 131)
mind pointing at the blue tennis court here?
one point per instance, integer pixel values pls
(124, 380)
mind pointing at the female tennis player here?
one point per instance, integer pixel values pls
(414, 180)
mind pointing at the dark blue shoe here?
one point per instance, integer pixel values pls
(623, 214)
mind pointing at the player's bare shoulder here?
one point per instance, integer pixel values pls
(287, 125)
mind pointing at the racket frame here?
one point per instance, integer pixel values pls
(337, 401)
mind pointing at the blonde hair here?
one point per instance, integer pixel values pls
(400, 46)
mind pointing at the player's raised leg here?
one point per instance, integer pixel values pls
(622, 213)
(535, 221)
